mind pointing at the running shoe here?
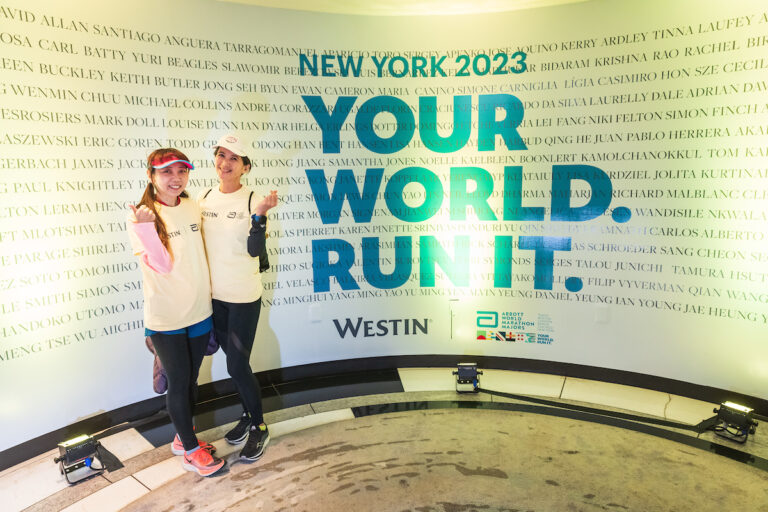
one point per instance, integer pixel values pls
(178, 449)
(258, 438)
(201, 462)
(238, 434)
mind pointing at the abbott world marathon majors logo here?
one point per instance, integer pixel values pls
(360, 327)
(514, 327)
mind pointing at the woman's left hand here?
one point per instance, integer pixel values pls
(266, 204)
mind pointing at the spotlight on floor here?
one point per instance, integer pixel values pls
(76, 458)
(466, 378)
(735, 422)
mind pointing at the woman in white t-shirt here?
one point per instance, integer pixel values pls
(165, 233)
(234, 228)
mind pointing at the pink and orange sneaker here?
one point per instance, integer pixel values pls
(202, 462)
(178, 449)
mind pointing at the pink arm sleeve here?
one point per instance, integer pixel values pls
(149, 247)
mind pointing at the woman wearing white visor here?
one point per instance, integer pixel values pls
(234, 228)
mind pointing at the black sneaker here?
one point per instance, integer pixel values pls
(238, 434)
(258, 438)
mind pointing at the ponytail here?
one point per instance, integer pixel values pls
(148, 200)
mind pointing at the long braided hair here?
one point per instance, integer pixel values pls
(148, 198)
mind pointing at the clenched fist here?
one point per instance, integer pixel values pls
(143, 214)
(269, 201)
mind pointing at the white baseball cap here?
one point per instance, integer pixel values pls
(233, 143)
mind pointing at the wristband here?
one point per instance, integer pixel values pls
(261, 220)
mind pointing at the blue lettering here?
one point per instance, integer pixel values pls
(478, 199)
(330, 124)
(598, 181)
(323, 269)
(345, 187)
(372, 266)
(545, 247)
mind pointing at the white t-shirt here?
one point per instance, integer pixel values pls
(177, 292)
(226, 222)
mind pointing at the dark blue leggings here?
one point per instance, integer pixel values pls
(181, 357)
(235, 327)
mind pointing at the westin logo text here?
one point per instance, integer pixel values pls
(369, 328)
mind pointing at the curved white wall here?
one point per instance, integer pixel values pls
(665, 101)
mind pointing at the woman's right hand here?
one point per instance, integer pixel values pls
(143, 214)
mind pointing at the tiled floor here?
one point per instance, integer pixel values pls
(25, 484)
(149, 464)
(126, 444)
(112, 497)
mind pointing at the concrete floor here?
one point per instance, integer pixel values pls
(456, 460)
(551, 443)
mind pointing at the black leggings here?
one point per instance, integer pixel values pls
(235, 327)
(181, 357)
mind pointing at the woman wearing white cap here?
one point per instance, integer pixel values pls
(234, 227)
(164, 229)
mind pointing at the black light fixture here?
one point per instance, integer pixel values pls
(735, 422)
(76, 458)
(467, 380)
